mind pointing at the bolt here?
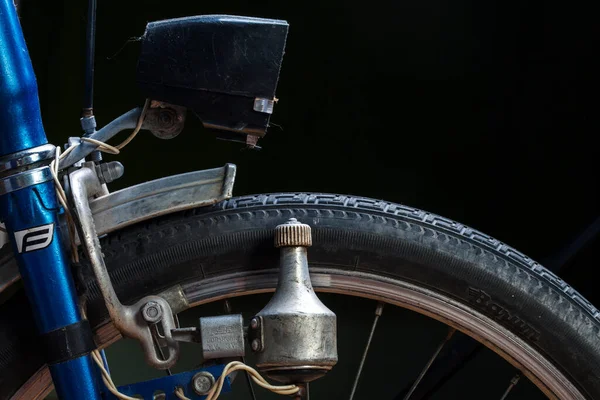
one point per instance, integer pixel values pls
(202, 382)
(152, 312)
(96, 156)
(254, 323)
(255, 345)
(110, 171)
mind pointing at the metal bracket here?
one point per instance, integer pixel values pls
(25, 168)
(167, 384)
(131, 320)
(17, 162)
(255, 334)
(221, 336)
(263, 105)
(25, 179)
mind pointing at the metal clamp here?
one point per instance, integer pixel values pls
(25, 168)
(26, 157)
(25, 179)
(135, 321)
(221, 336)
(263, 105)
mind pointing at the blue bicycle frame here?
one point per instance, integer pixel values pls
(29, 209)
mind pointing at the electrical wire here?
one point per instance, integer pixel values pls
(138, 126)
(108, 382)
(179, 393)
(256, 377)
(233, 366)
(103, 147)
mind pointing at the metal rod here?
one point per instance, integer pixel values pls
(303, 393)
(160, 350)
(125, 121)
(104, 361)
(446, 366)
(249, 381)
(227, 307)
(513, 383)
(90, 49)
(378, 312)
(431, 360)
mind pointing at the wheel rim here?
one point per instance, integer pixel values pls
(402, 294)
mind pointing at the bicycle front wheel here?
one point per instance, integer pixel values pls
(362, 247)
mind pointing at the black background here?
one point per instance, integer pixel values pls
(481, 111)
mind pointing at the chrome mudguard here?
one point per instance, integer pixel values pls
(162, 196)
(146, 201)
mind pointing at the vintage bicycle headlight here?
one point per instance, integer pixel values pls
(224, 68)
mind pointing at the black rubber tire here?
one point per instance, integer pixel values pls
(348, 233)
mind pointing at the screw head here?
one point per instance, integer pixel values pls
(202, 382)
(254, 323)
(152, 312)
(255, 345)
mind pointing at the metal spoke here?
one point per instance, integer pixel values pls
(249, 381)
(513, 383)
(104, 360)
(454, 357)
(303, 393)
(227, 307)
(378, 312)
(431, 360)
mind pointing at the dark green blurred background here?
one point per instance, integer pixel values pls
(484, 112)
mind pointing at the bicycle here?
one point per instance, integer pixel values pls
(167, 245)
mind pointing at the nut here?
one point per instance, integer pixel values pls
(256, 345)
(202, 382)
(152, 312)
(254, 323)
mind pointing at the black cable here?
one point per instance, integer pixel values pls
(90, 49)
